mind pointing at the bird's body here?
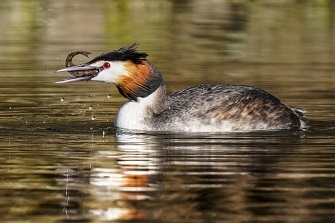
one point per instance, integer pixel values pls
(203, 108)
(210, 108)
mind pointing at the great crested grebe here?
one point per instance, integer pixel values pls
(203, 108)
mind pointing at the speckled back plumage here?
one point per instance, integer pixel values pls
(227, 108)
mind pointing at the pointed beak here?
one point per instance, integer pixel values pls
(80, 73)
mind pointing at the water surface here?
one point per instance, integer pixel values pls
(61, 159)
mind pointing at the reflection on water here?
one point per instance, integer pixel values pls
(168, 178)
(61, 160)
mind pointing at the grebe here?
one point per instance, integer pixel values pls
(203, 108)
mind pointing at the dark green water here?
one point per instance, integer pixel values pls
(61, 160)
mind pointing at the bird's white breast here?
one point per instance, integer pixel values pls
(131, 116)
(137, 115)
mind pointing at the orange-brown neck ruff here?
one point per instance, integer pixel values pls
(142, 80)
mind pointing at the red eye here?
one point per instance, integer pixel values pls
(106, 65)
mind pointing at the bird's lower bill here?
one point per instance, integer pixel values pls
(75, 79)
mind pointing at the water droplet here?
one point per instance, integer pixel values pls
(10, 108)
(91, 95)
(109, 96)
(62, 99)
(91, 107)
(103, 133)
(93, 117)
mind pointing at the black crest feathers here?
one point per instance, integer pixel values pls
(123, 54)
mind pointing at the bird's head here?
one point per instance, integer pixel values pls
(127, 68)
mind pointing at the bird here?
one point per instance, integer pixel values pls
(204, 108)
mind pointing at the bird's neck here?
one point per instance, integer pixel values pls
(153, 103)
(143, 80)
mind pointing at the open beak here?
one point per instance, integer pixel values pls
(79, 73)
(83, 72)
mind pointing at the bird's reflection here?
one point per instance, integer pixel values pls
(148, 177)
(195, 176)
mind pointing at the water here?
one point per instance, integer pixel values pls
(62, 161)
